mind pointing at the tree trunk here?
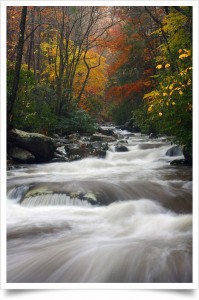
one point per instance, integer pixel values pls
(31, 45)
(12, 97)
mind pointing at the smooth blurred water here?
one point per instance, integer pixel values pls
(139, 231)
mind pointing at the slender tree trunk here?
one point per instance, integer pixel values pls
(12, 97)
(38, 62)
(31, 45)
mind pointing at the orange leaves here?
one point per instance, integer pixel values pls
(126, 91)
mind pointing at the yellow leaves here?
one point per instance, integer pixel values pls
(189, 82)
(180, 92)
(167, 66)
(161, 66)
(171, 92)
(165, 94)
(171, 86)
(98, 77)
(151, 95)
(160, 114)
(186, 53)
(150, 108)
(173, 103)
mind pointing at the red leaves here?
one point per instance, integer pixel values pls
(126, 91)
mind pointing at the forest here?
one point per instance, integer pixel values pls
(72, 68)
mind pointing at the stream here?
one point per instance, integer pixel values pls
(123, 219)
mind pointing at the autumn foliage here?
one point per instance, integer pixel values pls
(111, 63)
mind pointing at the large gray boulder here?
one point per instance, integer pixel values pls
(39, 145)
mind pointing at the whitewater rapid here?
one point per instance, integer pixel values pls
(139, 231)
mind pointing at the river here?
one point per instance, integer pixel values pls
(140, 230)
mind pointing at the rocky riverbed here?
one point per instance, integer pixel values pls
(24, 147)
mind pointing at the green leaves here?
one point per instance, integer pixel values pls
(168, 107)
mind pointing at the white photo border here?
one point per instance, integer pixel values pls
(104, 286)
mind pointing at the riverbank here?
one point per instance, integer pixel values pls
(28, 148)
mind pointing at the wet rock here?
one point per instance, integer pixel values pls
(187, 155)
(118, 136)
(75, 149)
(153, 135)
(74, 157)
(59, 157)
(84, 150)
(130, 126)
(99, 145)
(120, 148)
(74, 137)
(61, 150)
(44, 195)
(91, 197)
(102, 137)
(21, 155)
(174, 151)
(56, 136)
(180, 162)
(39, 145)
(103, 131)
(124, 141)
(61, 142)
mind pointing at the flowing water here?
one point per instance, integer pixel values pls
(125, 218)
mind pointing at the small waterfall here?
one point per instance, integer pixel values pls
(54, 199)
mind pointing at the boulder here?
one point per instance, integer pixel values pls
(153, 135)
(39, 145)
(120, 148)
(84, 150)
(99, 145)
(174, 151)
(187, 155)
(61, 142)
(74, 137)
(179, 162)
(21, 155)
(103, 131)
(75, 149)
(102, 137)
(130, 126)
(74, 157)
(124, 141)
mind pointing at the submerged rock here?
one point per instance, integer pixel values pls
(43, 196)
(180, 162)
